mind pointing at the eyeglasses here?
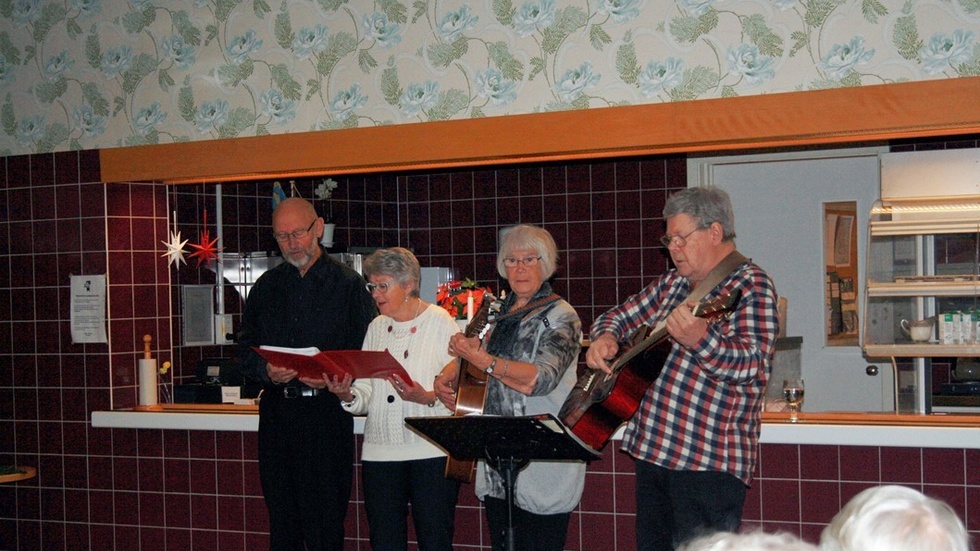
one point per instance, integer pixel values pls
(528, 261)
(381, 287)
(680, 240)
(295, 234)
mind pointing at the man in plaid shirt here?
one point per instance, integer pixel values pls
(695, 436)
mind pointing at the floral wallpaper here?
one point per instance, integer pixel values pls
(91, 74)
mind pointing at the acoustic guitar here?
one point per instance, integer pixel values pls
(599, 403)
(471, 385)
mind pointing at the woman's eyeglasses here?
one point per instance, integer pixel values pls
(381, 287)
(528, 261)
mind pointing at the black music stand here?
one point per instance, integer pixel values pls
(508, 444)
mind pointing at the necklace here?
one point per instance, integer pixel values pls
(411, 331)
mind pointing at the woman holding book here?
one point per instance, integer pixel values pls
(398, 466)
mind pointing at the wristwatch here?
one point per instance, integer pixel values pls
(493, 364)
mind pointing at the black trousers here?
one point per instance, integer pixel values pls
(673, 507)
(306, 465)
(532, 532)
(389, 488)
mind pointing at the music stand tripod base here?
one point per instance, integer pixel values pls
(508, 444)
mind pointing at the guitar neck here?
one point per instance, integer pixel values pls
(707, 310)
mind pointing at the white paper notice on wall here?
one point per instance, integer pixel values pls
(198, 314)
(88, 309)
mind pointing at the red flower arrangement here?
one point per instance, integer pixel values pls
(452, 296)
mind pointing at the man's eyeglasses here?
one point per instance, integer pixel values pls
(381, 287)
(295, 234)
(680, 240)
(528, 261)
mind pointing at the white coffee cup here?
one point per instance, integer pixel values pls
(919, 331)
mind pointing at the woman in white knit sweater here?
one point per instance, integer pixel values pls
(400, 468)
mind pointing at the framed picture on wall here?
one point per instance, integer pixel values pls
(840, 260)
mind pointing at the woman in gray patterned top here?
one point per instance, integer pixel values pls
(530, 358)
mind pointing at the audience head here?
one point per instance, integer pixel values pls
(895, 518)
(751, 541)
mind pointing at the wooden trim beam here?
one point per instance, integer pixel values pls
(849, 115)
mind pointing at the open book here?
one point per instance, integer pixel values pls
(312, 363)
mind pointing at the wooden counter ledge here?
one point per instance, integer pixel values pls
(887, 419)
(16, 473)
(199, 408)
(955, 431)
(837, 428)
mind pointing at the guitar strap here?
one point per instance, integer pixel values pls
(507, 325)
(722, 270)
(717, 274)
(528, 307)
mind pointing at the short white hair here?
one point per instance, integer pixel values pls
(750, 541)
(524, 236)
(895, 518)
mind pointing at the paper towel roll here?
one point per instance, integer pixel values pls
(148, 382)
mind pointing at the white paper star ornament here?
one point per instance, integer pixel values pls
(175, 249)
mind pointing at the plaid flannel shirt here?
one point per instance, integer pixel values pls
(703, 411)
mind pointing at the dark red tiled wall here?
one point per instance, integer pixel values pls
(800, 488)
(151, 489)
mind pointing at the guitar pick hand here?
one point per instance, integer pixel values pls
(470, 349)
(602, 349)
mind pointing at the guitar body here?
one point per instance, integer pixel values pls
(471, 387)
(599, 403)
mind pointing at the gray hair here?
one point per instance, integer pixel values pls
(529, 237)
(895, 518)
(397, 262)
(707, 204)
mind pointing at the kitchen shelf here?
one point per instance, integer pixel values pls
(924, 288)
(969, 401)
(915, 350)
(923, 259)
(934, 223)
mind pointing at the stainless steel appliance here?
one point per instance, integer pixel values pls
(243, 269)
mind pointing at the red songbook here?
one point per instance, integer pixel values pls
(312, 363)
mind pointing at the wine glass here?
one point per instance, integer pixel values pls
(793, 394)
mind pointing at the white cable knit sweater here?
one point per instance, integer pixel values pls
(386, 436)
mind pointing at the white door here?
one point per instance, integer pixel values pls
(778, 202)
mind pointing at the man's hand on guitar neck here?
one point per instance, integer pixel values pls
(602, 349)
(686, 328)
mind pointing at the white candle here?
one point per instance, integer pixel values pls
(469, 307)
